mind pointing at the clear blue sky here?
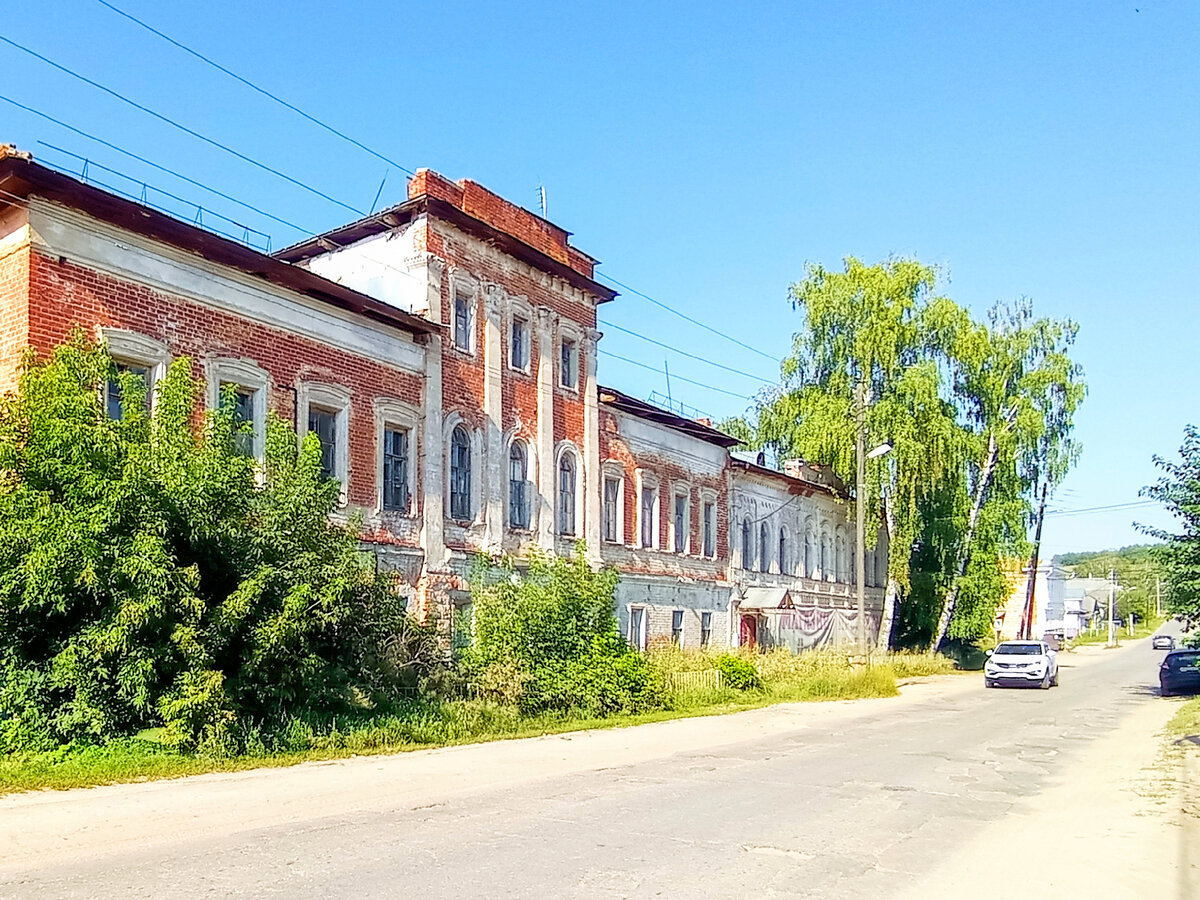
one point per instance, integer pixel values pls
(706, 152)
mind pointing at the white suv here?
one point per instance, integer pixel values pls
(1021, 662)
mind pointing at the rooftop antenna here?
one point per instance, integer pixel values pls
(379, 192)
(667, 372)
(542, 198)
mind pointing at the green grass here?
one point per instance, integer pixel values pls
(1186, 720)
(808, 677)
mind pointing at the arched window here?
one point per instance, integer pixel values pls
(825, 571)
(810, 551)
(566, 494)
(839, 557)
(460, 474)
(764, 547)
(747, 546)
(783, 551)
(518, 479)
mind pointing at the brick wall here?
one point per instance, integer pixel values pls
(65, 295)
(14, 312)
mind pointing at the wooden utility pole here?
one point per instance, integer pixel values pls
(1030, 601)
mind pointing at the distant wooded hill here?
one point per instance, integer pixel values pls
(1136, 567)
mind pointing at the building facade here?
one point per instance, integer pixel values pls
(444, 353)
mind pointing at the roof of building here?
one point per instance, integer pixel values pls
(21, 177)
(643, 410)
(795, 484)
(474, 209)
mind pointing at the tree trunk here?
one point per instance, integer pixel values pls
(1027, 614)
(888, 614)
(964, 552)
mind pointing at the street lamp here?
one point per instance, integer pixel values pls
(860, 500)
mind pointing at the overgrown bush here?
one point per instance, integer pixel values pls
(546, 639)
(738, 673)
(151, 575)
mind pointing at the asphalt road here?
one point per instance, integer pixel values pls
(811, 800)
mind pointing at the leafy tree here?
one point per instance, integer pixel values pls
(1012, 377)
(1178, 489)
(148, 578)
(865, 352)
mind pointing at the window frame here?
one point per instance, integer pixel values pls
(641, 640)
(705, 628)
(764, 548)
(747, 548)
(568, 334)
(135, 350)
(467, 288)
(460, 451)
(396, 415)
(681, 492)
(336, 399)
(526, 484)
(242, 373)
(568, 453)
(520, 311)
(612, 472)
(708, 536)
(677, 627)
(647, 482)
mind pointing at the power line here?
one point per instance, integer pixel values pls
(250, 84)
(634, 362)
(1134, 504)
(154, 165)
(183, 128)
(688, 318)
(313, 119)
(708, 362)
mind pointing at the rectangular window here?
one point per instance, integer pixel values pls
(705, 628)
(637, 628)
(710, 529)
(114, 401)
(519, 345)
(460, 475)
(569, 363)
(323, 423)
(612, 494)
(677, 627)
(649, 498)
(240, 402)
(463, 321)
(681, 522)
(395, 469)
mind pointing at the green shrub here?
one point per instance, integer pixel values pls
(151, 575)
(738, 673)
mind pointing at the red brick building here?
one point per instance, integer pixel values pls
(443, 350)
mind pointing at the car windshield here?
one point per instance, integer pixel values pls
(1019, 649)
(1180, 660)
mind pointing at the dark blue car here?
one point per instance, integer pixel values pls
(1180, 673)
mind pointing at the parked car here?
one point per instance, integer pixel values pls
(1180, 673)
(1030, 663)
(1163, 642)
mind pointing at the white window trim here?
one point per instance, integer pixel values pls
(397, 415)
(642, 640)
(335, 398)
(706, 496)
(682, 489)
(613, 470)
(520, 308)
(531, 481)
(563, 448)
(463, 284)
(682, 625)
(243, 373)
(645, 481)
(569, 332)
(132, 348)
(475, 439)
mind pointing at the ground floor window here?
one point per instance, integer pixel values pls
(677, 627)
(705, 628)
(637, 628)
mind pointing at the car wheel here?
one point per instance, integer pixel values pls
(1054, 681)
(1164, 691)
(988, 683)
(1045, 685)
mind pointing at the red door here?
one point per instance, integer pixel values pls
(749, 631)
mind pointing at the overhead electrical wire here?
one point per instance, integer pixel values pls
(1112, 507)
(183, 128)
(254, 87)
(373, 152)
(634, 362)
(325, 196)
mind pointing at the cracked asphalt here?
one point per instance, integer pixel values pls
(948, 787)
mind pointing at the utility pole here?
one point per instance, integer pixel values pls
(860, 512)
(1112, 582)
(1157, 597)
